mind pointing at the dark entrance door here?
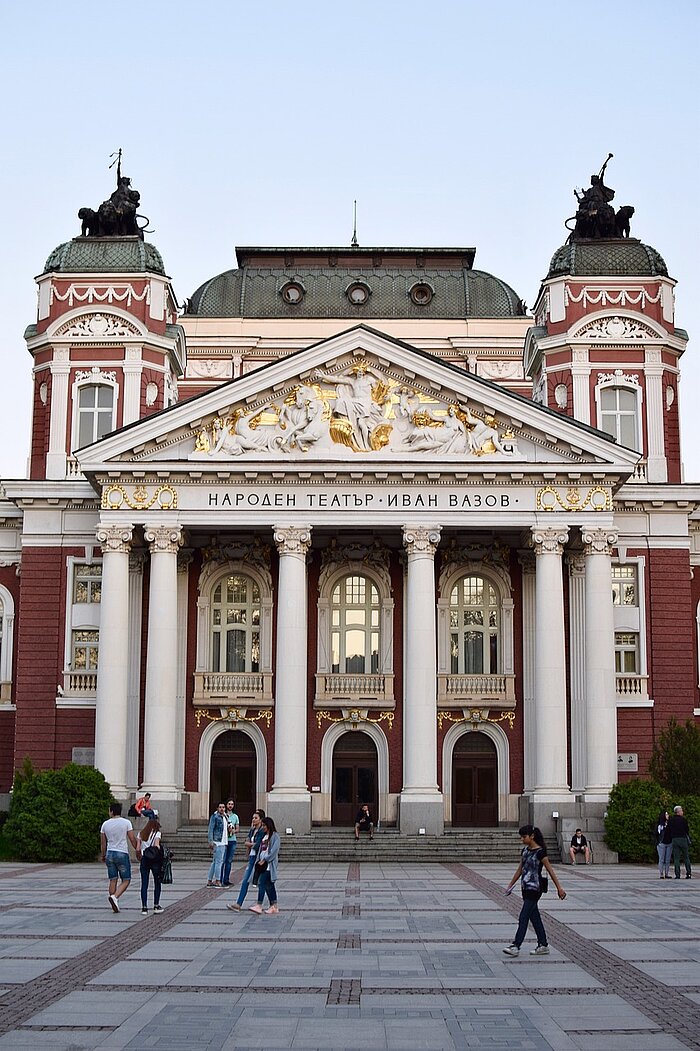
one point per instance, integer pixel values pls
(354, 778)
(474, 781)
(233, 773)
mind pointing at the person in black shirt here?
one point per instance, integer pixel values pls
(679, 832)
(363, 822)
(579, 845)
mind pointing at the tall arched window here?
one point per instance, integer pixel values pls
(618, 415)
(474, 627)
(7, 620)
(95, 413)
(355, 626)
(235, 617)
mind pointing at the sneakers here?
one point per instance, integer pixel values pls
(256, 908)
(273, 910)
(512, 950)
(144, 912)
(111, 898)
(541, 950)
(235, 907)
(157, 908)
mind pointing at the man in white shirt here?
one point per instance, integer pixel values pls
(115, 836)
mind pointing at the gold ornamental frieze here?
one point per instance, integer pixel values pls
(475, 716)
(572, 498)
(355, 717)
(139, 498)
(233, 716)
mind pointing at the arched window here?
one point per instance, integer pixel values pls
(7, 621)
(94, 414)
(235, 625)
(618, 405)
(474, 627)
(355, 610)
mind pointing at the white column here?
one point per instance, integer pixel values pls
(289, 801)
(527, 561)
(136, 561)
(577, 670)
(551, 781)
(601, 710)
(133, 367)
(59, 423)
(184, 561)
(421, 803)
(161, 731)
(657, 468)
(111, 707)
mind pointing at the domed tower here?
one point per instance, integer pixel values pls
(604, 348)
(106, 345)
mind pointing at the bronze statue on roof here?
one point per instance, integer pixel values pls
(117, 216)
(595, 217)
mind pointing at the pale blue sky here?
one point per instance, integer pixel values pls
(452, 123)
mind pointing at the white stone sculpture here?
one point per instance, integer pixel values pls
(354, 399)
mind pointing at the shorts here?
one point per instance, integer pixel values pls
(118, 864)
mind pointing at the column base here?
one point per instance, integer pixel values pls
(538, 808)
(421, 811)
(290, 810)
(595, 795)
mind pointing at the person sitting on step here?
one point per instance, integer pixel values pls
(364, 822)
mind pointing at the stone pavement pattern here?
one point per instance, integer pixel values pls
(396, 956)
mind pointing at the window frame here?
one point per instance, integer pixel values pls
(247, 628)
(7, 628)
(631, 619)
(97, 379)
(500, 580)
(631, 386)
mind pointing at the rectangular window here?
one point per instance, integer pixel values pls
(85, 647)
(624, 585)
(87, 583)
(626, 653)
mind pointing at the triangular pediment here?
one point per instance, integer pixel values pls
(359, 401)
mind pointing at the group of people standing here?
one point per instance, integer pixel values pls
(262, 845)
(673, 840)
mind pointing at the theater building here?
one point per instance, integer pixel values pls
(351, 526)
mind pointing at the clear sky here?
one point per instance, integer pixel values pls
(452, 123)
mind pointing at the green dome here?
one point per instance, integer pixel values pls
(105, 255)
(255, 289)
(625, 257)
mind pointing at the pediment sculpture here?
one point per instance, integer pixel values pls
(360, 409)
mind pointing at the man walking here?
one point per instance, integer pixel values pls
(218, 839)
(115, 835)
(679, 832)
(232, 832)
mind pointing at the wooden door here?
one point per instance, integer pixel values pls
(474, 782)
(233, 774)
(354, 778)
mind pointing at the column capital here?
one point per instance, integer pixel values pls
(576, 563)
(185, 559)
(527, 562)
(163, 538)
(599, 541)
(292, 540)
(421, 540)
(549, 541)
(114, 537)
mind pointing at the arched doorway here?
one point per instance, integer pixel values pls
(354, 777)
(474, 781)
(233, 772)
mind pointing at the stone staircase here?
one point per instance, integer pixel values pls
(471, 846)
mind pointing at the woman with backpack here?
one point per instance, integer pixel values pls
(150, 854)
(533, 858)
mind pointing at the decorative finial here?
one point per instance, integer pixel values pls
(354, 243)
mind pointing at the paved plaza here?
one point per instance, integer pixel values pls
(361, 956)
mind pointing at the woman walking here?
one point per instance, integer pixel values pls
(664, 846)
(533, 858)
(267, 857)
(253, 841)
(150, 854)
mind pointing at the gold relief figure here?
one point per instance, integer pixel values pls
(202, 443)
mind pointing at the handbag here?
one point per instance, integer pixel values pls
(544, 884)
(151, 854)
(166, 875)
(260, 866)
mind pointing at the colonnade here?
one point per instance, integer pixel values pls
(544, 707)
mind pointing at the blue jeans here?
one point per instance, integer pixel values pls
(266, 886)
(247, 875)
(217, 862)
(228, 861)
(664, 851)
(146, 869)
(530, 913)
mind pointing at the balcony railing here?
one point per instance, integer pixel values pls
(215, 686)
(632, 685)
(640, 472)
(462, 689)
(82, 684)
(355, 689)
